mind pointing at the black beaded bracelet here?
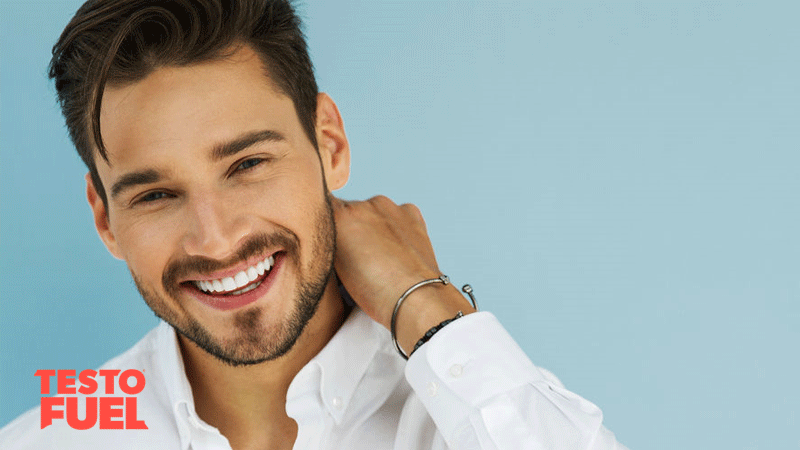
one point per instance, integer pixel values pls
(429, 334)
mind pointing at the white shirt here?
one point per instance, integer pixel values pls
(469, 387)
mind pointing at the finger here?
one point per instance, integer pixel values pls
(382, 202)
(413, 211)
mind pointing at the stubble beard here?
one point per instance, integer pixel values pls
(252, 343)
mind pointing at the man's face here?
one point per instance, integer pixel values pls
(217, 200)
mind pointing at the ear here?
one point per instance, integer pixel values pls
(334, 150)
(101, 218)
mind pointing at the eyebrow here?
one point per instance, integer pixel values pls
(218, 153)
(132, 179)
(235, 146)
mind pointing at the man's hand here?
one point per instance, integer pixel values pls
(382, 249)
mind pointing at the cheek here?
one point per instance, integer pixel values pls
(146, 247)
(293, 200)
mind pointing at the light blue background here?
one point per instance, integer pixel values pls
(618, 180)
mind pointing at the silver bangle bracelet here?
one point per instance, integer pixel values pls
(442, 279)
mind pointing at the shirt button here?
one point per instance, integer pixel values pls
(433, 388)
(456, 370)
(337, 402)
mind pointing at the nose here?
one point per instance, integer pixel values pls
(216, 227)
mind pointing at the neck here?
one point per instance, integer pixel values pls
(248, 403)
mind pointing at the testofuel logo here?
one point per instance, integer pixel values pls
(112, 412)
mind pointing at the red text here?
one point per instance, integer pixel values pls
(112, 412)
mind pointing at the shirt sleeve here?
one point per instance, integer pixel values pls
(483, 392)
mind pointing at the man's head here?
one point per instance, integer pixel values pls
(119, 42)
(216, 173)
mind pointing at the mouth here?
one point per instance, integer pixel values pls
(244, 281)
(240, 289)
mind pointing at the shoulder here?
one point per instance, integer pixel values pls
(151, 404)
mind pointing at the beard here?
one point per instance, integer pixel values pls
(252, 342)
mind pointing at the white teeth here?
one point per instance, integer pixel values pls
(247, 289)
(241, 279)
(229, 285)
(252, 274)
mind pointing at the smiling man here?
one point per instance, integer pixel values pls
(288, 314)
(219, 203)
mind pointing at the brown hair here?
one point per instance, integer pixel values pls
(122, 41)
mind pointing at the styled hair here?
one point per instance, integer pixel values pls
(120, 42)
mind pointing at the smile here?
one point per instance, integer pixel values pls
(244, 281)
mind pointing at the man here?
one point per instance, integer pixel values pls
(211, 159)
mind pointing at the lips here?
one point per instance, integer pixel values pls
(241, 289)
(244, 281)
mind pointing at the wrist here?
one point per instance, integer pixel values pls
(424, 309)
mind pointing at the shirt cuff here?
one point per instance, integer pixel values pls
(467, 363)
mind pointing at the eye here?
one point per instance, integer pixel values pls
(249, 164)
(152, 196)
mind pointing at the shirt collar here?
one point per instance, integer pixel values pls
(342, 364)
(178, 390)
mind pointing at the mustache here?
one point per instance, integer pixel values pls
(253, 246)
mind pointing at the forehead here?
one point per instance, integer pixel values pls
(192, 107)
